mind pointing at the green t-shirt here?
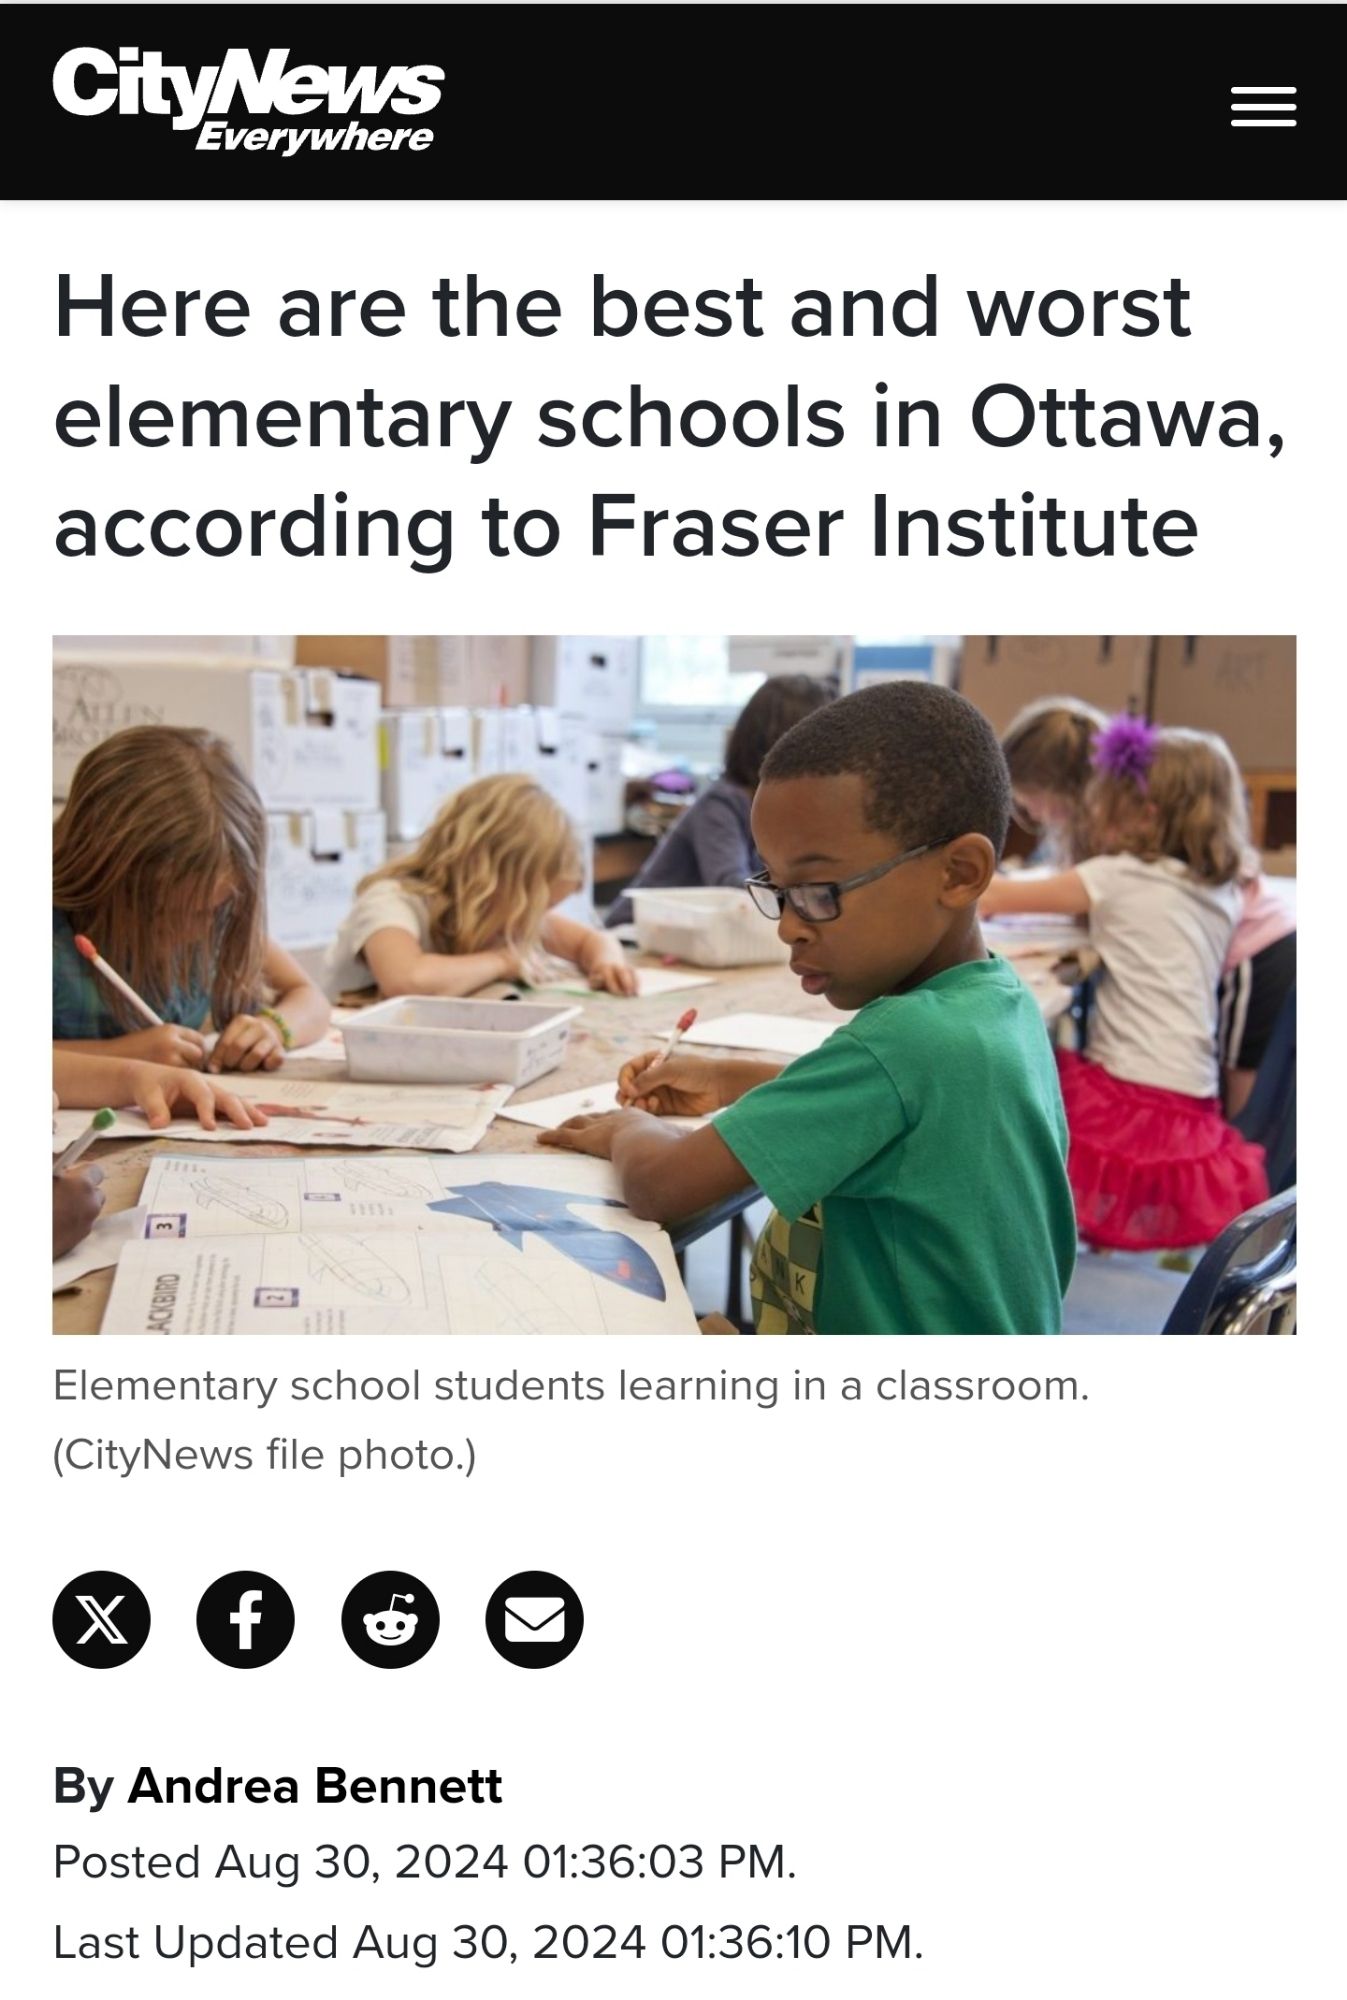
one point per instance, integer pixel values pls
(930, 1134)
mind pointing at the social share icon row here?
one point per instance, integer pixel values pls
(246, 1619)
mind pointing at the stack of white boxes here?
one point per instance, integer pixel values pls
(459, 708)
(307, 738)
(590, 684)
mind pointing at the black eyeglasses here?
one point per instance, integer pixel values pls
(821, 902)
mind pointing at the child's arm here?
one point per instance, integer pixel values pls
(665, 1175)
(688, 1086)
(1051, 895)
(86, 1082)
(254, 1041)
(181, 1048)
(401, 968)
(598, 956)
(719, 845)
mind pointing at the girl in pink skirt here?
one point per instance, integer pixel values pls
(1152, 1163)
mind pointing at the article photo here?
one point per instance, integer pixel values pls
(667, 984)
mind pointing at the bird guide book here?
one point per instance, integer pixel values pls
(512, 1243)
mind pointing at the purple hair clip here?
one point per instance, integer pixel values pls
(1126, 749)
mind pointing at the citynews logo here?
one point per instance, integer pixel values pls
(87, 82)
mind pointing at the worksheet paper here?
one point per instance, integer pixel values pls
(651, 981)
(517, 1244)
(435, 1118)
(777, 1034)
(548, 1112)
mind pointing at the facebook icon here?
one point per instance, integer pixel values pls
(245, 1619)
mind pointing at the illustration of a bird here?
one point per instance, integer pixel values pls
(374, 1177)
(247, 1202)
(516, 1212)
(352, 1263)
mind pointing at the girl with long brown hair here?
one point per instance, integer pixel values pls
(160, 858)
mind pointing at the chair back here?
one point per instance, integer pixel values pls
(1246, 1281)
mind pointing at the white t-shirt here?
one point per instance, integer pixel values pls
(385, 906)
(1163, 937)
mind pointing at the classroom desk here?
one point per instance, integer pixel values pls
(608, 1031)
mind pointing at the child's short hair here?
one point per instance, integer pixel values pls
(930, 761)
(1197, 812)
(158, 822)
(488, 864)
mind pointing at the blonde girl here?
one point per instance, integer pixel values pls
(1152, 1163)
(160, 858)
(1048, 750)
(475, 901)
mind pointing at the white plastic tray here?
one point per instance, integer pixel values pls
(456, 1041)
(706, 927)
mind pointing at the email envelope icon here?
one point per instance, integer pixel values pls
(535, 1621)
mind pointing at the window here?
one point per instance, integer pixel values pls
(693, 673)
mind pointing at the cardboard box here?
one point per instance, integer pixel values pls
(563, 761)
(498, 670)
(269, 649)
(607, 784)
(1241, 689)
(1002, 675)
(593, 680)
(315, 863)
(819, 657)
(426, 756)
(305, 738)
(505, 740)
(485, 671)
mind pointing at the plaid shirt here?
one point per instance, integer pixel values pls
(79, 997)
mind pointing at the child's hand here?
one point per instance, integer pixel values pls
(526, 965)
(249, 1042)
(593, 1134)
(685, 1087)
(715, 1323)
(612, 975)
(76, 1199)
(179, 1048)
(163, 1094)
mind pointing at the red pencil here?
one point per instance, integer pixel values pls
(685, 1021)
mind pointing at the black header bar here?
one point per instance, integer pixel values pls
(688, 102)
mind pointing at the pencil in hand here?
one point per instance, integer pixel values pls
(685, 1021)
(87, 949)
(97, 1125)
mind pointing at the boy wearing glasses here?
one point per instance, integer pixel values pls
(917, 1161)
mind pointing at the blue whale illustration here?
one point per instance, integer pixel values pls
(515, 1212)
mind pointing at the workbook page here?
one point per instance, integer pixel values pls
(755, 1424)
